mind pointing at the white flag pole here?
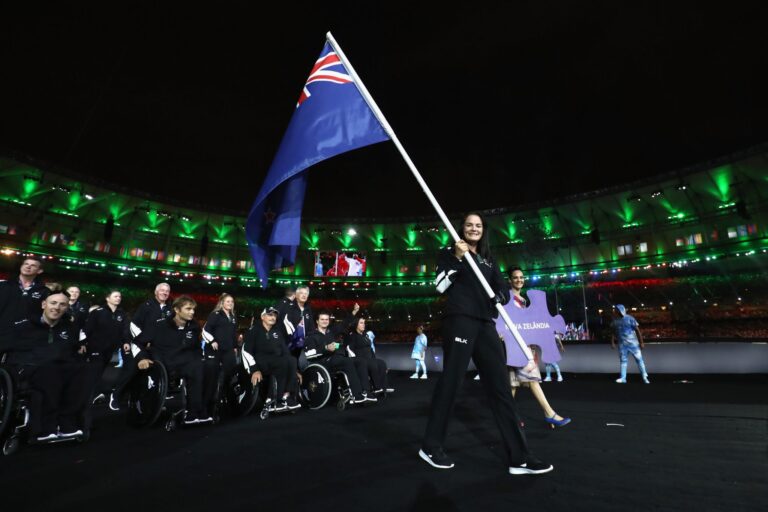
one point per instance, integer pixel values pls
(387, 128)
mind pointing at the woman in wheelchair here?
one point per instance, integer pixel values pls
(176, 343)
(266, 352)
(321, 347)
(45, 355)
(359, 348)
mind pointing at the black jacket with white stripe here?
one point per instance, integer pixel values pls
(173, 344)
(466, 296)
(222, 329)
(145, 320)
(260, 343)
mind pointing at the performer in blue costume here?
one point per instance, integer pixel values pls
(627, 330)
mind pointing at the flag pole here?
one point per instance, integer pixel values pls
(416, 174)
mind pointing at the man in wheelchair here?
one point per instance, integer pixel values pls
(176, 343)
(44, 354)
(265, 352)
(321, 347)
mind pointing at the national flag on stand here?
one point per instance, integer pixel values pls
(331, 118)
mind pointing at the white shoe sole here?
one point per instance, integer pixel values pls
(526, 471)
(432, 463)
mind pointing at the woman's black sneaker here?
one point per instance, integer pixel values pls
(436, 458)
(531, 466)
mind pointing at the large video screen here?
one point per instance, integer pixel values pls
(339, 263)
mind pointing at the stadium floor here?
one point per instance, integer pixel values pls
(696, 446)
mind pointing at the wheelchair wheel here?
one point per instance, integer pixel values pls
(147, 393)
(6, 400)
(10, 446)
(316, 386)
(341, 404)
(247, 396)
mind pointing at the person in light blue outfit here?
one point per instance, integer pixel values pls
(371, 337)
(419, 353)
(627, 331)
(550, 366)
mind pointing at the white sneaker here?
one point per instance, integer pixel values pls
(621, 381)
(390, 390)
(49, 437)
(645, 379)
(477, 377)
(559, 378)
(76, 433)
(100, 398)
(415, 376)
(424, 377)
(547, 379)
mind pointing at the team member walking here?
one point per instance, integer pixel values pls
(469, 332)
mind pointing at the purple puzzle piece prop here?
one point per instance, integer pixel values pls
(537, 327)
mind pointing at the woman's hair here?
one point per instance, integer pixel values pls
(483, 247)
(512, 270)
(220, 304)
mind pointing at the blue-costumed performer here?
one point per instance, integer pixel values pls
(627, 330)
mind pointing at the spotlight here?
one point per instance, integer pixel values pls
(351, 232)
(656, 193)
(89, 197)
(682, 186)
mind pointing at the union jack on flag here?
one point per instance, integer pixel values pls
(328, 68)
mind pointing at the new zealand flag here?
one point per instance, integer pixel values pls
(331, 117)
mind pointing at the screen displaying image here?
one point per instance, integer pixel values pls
(339, 263)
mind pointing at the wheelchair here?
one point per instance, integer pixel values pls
(154, 394)
(318, 387)
(15, 413)
(245, 397)
(147, 393)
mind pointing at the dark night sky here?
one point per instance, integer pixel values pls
(497, 105)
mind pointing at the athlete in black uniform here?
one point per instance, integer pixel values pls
(321, 347)
(469, 331)
(78, 309)
(265, 351)
(44, 352)
(176, 343)
(21, 298)
(297, 321)
(106, 330)
(142, 330)
(359, 348)
(220, 336)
